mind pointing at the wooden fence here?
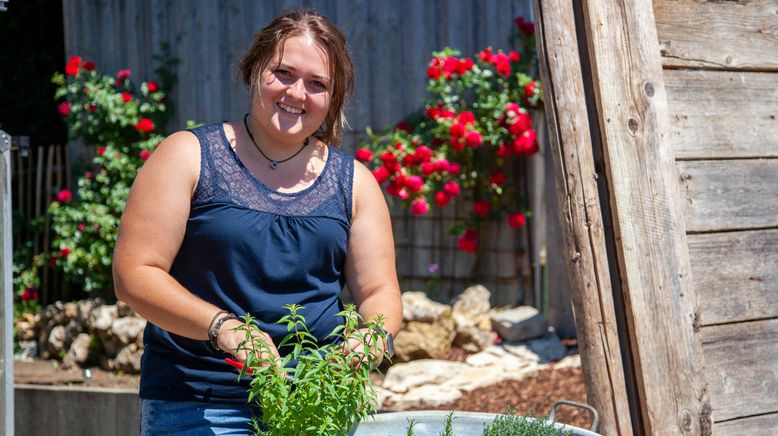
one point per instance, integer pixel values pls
(391, 43)
(670, 207)
(37, 174)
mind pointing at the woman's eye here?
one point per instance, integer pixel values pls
(283, 73)
(319, 85)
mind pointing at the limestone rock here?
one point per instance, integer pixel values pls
(522, 351)
(471, 307)
(29, 349)
(71, 311)
(473, 339)
(56, 340)
(123, 310)
(128, 359)
(79, 349)
(85, 308)
(572, 361)
(126, 330)
(422, 340)
(101, 319)
(25, 327)
(519, 324)
(418, 307)
(474, 377)
(403, 376)
(430, 395)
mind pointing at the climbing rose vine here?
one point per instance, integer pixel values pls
(476, 123)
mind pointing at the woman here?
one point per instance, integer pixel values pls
(246, 216)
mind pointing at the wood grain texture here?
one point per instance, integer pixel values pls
(720, 114)
(727, 195)
(580, 215)
(718, 34)
(649, 233)
(742, 368)
(735, 275)
(753, 425)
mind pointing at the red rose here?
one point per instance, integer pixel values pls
(423, 153)
(526, 143)
(457, 130)
(63, 196)
(514, 56)
(451, 65)
(427, 168)
(481, 207)
(71, 69)
(100, 150)
(452, 188)
(441, 165)
(524, 121)
(442, 198)
(434, 69)
(511, 107)
(473, 138)
(403, 194)
(503, 64)
(465, 65)
(503, 151)
(381, 174)
(486, 55)
(526, 27)
(126, 96)
(145, 125)
(88, 175)
(123, 74)
(152, 87)
(497, 178)
(530, 88)
(53, 260)
(458, 144)
(144, 154)
(26, 295)
(453, 168)
(64, 108)
(91, 108)
(88, 65)
(420, 206)
(363, 154)
(468, 242)
(414, 183)
(516, 220)
(64, 252)
(466, 117)
(81, 227)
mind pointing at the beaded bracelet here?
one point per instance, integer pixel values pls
(213, 334)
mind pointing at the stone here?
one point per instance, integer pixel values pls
(522, 351)
(25, 327)
(71, 311)
(519, 324)
(475, 377)
(85, 308)
(101, 318)
(126, 330)
(123, 309)
(56, 340)
(128, 359)
(572, 361)
(418, 307)
(430, 395)
(422, 340)
(53, 315)
(471, 306)
(79, 349)
(403, 376)
(549, 348)
(29, 349)
(473, 339)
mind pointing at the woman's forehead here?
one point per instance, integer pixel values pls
(303, 52)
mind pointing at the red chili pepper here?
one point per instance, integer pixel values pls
(237, 364)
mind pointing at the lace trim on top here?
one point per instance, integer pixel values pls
(224, 179)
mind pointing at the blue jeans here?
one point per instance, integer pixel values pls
(159, 417)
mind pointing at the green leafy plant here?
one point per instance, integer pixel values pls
(327, 392)
(509, 424)
(477, 123)
(123, 122)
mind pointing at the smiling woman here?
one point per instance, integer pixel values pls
(248, 216)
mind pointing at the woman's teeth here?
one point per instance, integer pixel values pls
(290, 109)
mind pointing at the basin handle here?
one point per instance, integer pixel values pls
(592, 412)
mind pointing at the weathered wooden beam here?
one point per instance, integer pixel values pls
(6, 290)
(660, 303)
(581, 219)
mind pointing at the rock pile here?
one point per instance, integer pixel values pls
(84, 331)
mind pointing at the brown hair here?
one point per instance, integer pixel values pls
(270, 40)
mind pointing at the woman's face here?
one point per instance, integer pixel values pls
(294, 91)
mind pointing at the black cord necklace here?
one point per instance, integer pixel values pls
(273, 163)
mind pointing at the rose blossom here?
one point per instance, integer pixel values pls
(420, 206)
(452, 188)
(363, 154)
(100, 150)
(63, 196)
(468, 242)
(473, 138)
(123, 74)
(145, 125)
(64, 251)
(481, 207)
(152, 87)
(144, 154)
(88, 65)
(71, 69)
(497, 178)
(442, 198)
(516, 219)
(414, 183)
(64, 108)
(126, 96)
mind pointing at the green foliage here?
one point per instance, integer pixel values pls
(475, 126)
(123, 122)
(327, 392)
(509, 424)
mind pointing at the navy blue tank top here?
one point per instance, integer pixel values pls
(251, 249)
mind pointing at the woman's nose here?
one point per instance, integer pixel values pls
(296, 89)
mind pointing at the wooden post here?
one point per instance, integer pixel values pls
(660, 304)
(581, 218)
(6, 290)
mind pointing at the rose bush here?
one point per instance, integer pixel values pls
(124, 123)
(476, 122)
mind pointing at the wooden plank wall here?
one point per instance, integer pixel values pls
(391, 43)
(720, 64)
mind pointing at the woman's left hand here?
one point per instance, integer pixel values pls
(355, 345)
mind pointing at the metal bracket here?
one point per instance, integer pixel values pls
(21, 143)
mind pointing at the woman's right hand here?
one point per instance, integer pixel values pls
(231, 336)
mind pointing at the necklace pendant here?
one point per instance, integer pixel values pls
(273, 164)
